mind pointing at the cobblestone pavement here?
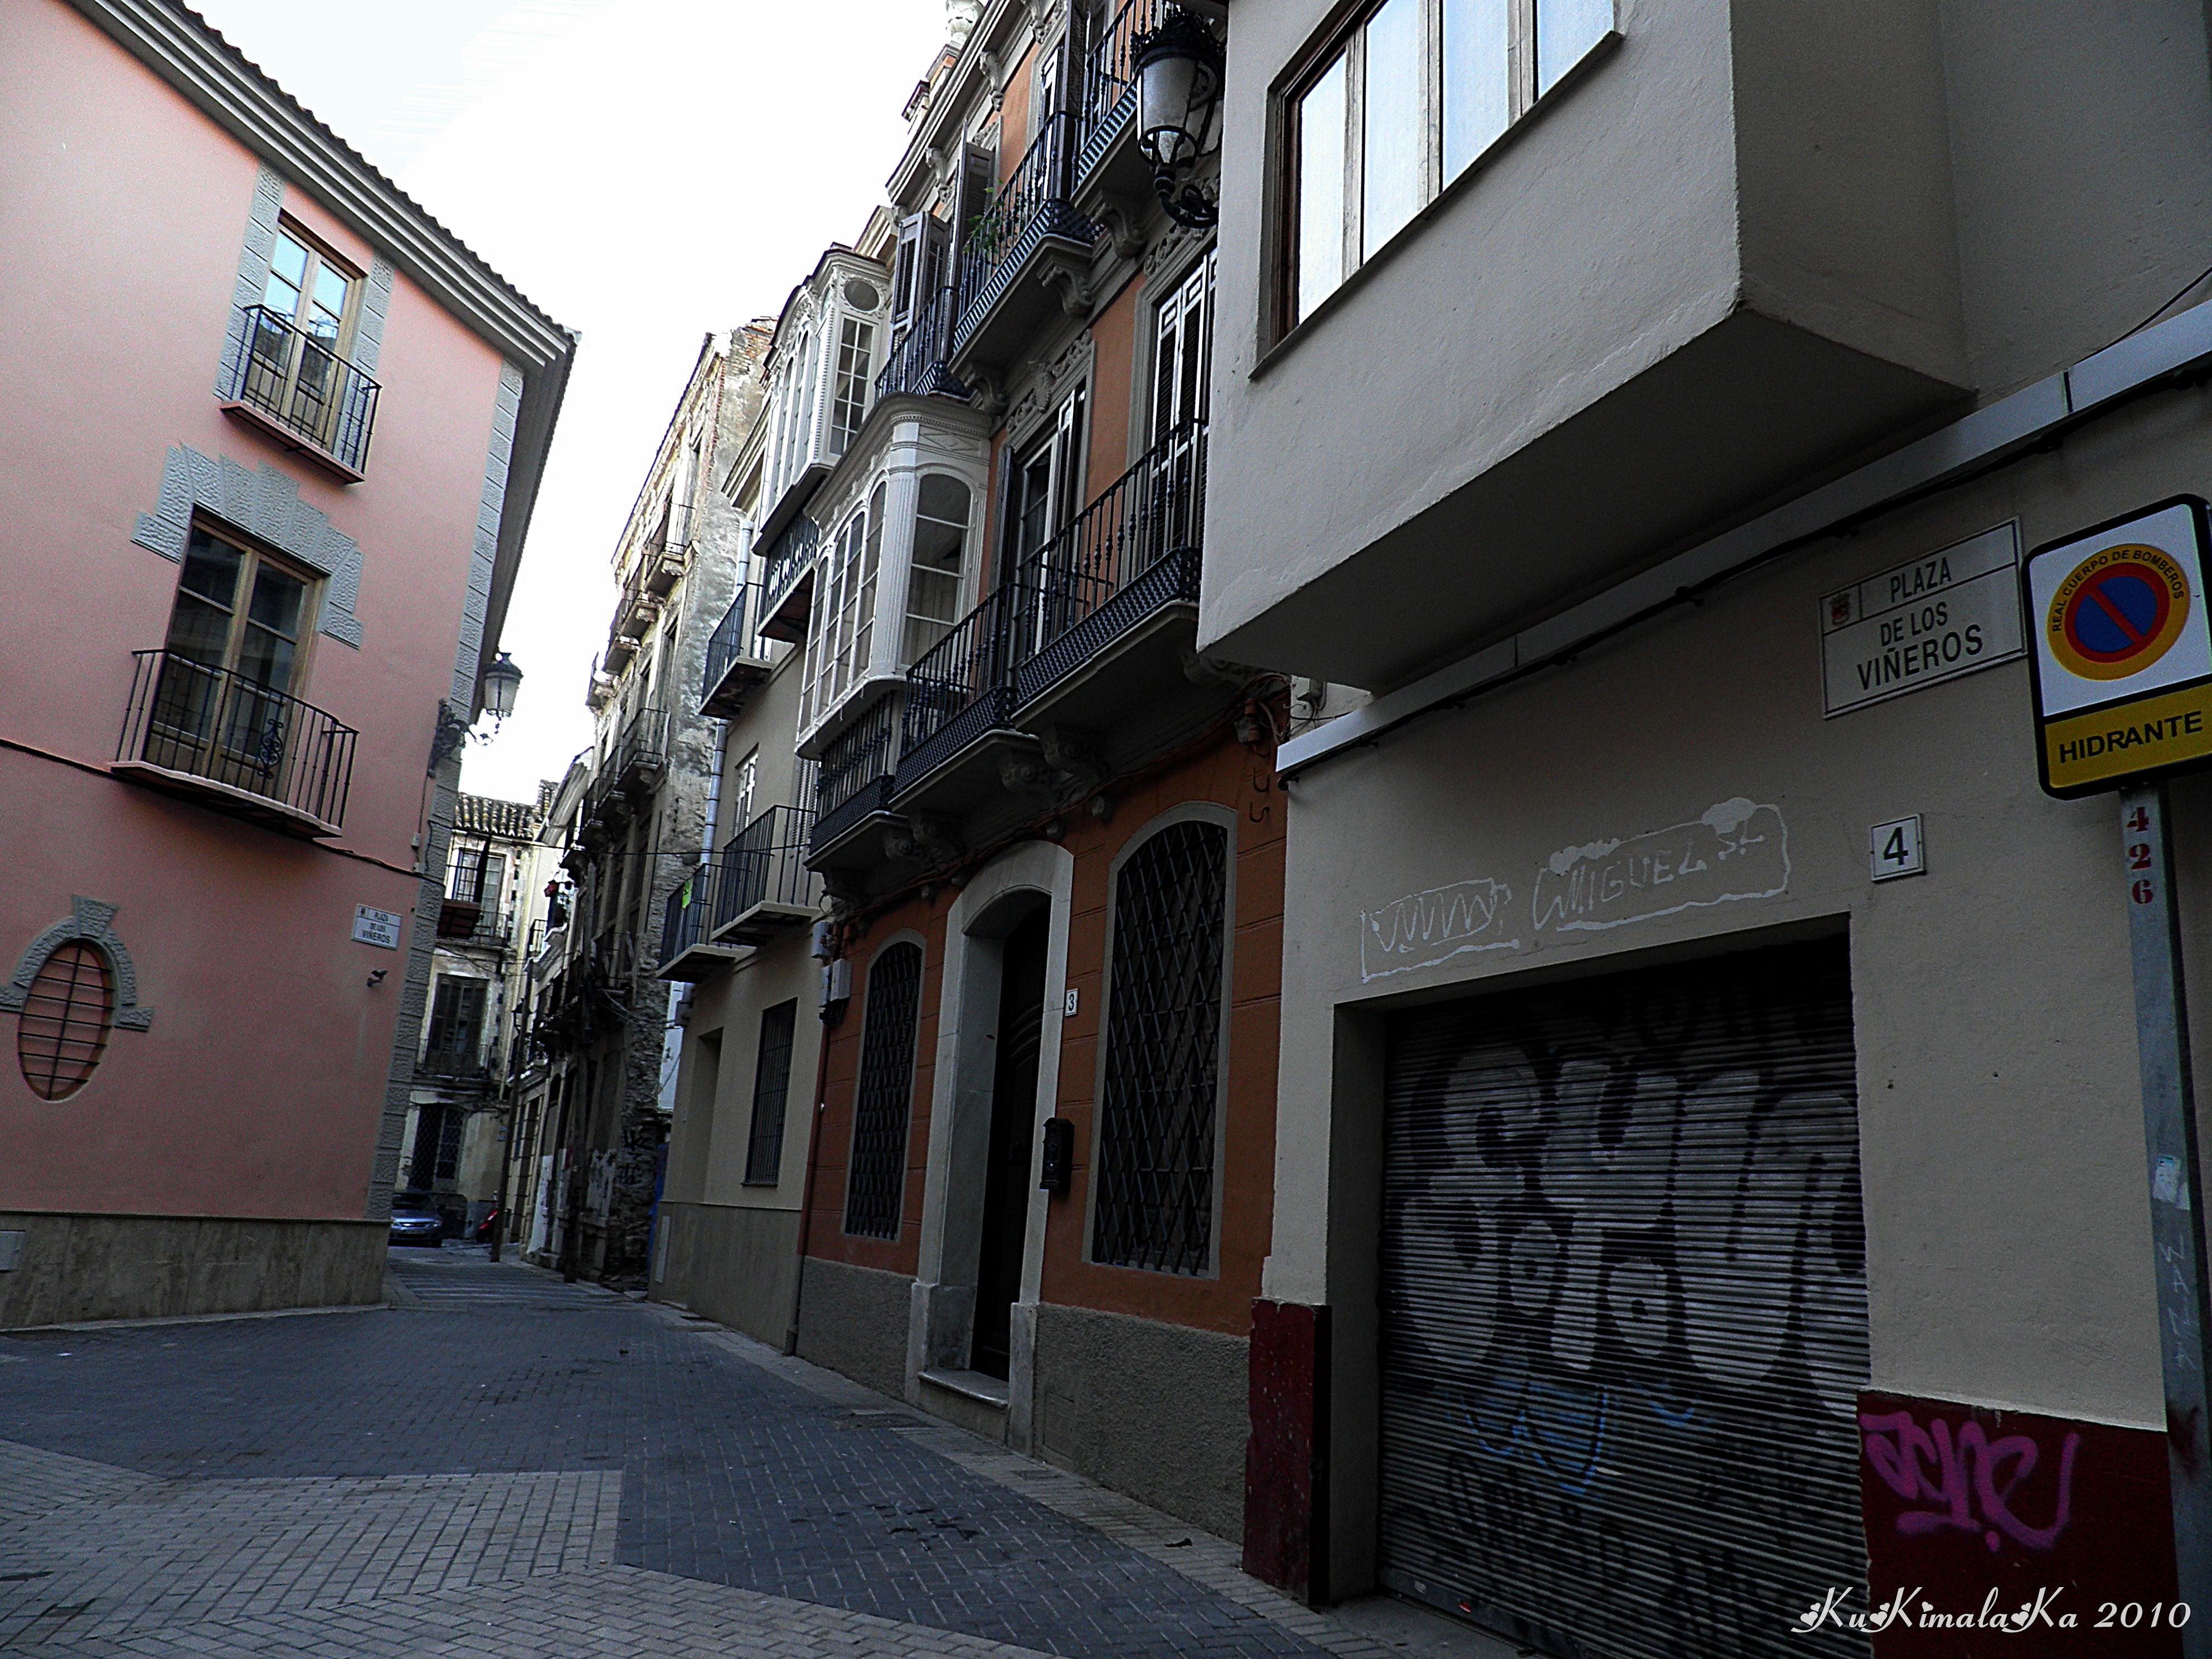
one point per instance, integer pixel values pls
(507, 1465)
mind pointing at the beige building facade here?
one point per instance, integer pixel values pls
(1708, 1078)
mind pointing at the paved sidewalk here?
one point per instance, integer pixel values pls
(505, 1465)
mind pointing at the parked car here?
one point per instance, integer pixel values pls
(482, 1231)
(415, 1221)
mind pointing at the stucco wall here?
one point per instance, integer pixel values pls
(2008, 1259)
(257, 1088)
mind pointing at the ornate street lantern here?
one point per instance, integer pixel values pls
(1179, 68)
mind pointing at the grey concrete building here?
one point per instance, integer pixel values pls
(1709, 1080)
(632, 819)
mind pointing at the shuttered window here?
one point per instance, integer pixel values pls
(1154, 1206)
(1624, 1307)
(875, 1185)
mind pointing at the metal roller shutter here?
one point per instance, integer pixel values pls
(1624, 1308)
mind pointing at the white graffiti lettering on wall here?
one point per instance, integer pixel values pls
(1423, 929)
(1737, 850)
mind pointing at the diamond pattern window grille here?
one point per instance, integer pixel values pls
(1155, 1202)
(876, 1184)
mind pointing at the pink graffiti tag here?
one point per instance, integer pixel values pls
(1960, 1472)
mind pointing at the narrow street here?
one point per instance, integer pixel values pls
(499, 1464)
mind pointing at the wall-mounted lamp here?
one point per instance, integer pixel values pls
(500, 682)
(1179, 68)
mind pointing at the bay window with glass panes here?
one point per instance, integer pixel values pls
(823, 378)
(895, 574)
(1396, 106)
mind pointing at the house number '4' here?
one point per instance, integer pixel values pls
(1895, 849)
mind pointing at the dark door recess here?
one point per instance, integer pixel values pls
(1013, 1131)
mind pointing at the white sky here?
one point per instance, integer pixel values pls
(646, 171)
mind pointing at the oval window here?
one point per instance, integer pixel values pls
(64, 1027)
(862, 295)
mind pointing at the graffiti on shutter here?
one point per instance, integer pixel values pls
(1624, 1308)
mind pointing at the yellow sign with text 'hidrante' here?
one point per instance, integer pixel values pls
(2122, 662)
(2151, 736)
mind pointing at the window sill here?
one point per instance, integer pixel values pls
(1340, 295)
(290, 441)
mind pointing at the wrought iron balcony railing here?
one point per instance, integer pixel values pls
(855, 777)
(916, 364)
(734, 661)
(641, 752)
(296, 381)
(788, 558)
(188, 722)
(959, 689)
(1107, 95)
(1030, 205)
(764, 886)
(688, 913)
(1132, 551)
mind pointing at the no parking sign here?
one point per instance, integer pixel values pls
(2123, 658)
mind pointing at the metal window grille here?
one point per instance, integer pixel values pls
(876, 1183)
(771, 1084)
(1155, 1202)
(449, 1143)
(63, 1029)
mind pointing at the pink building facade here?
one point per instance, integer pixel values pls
(271, 438)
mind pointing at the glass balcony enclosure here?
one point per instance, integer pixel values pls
(830, 343)
(896, 566)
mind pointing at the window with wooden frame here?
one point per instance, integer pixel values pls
(841, 638)
(303, 334)
(456, 1021)
(238, 633)
(1396, 103)
(937, 582)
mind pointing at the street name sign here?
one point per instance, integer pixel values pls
(1920, 623)
(2122, 659)
(372, 926)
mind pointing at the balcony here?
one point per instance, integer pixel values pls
(853, 785)
(448, 1065)
(463, 924)
(235, 746)
(1106, 157)
(1027, 254)
(786, 587)
(765, 887)
(640, 757)
(735, 664)
(688, 951)
(663, 564)
(958, 693)
(1121, 578)
(294, 390)
(916, 367)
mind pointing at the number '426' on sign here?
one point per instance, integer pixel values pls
(2122, 659)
